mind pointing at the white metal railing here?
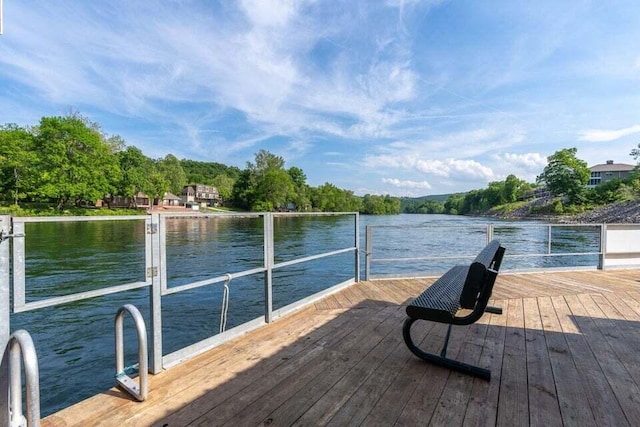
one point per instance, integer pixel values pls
(155, 279)
(617, 245)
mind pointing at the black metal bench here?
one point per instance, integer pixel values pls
(468, 287)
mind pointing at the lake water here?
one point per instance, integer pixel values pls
(75, 341)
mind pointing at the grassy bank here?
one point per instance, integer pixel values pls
(47, 210)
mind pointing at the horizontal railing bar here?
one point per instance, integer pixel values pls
(483, 226)
(313, 257)
(26, 219)
(313, 213)
(471, 256)
(49, 302)
(554, 254)
(218, 279)
(421, 258)
(211, 214)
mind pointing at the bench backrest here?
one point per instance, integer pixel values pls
(482, 274)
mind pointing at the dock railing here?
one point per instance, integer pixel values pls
(155, 268)
(544, 246)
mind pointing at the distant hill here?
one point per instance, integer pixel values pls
(406, 201)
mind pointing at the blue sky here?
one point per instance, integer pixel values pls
(406, 98)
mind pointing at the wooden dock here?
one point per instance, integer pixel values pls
(566, 351)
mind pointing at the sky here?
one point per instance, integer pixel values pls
(407, 98)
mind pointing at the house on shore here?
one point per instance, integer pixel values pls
(204, 195)
(171, 200)
(606, 172)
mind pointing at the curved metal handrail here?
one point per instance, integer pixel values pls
(20, 348)
(141, 390)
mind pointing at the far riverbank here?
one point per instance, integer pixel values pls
(622, 212)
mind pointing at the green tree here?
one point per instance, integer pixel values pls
(635, 153)
(275, 187)
(136, 169)
(16, 160)
(565, 174)
(264, 184)
(75, 163)
(224, 183)
(301, 189)
(172, 173)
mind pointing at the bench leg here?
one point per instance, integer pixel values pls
(441, 360)
(493, 310)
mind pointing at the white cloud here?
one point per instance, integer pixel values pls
(529, 161)
(269, 13)
(407, 184)
(605, 135)
(448, 168)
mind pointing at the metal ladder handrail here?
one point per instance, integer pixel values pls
(141, 390)
(20, 348)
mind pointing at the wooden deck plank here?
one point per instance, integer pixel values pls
(365, 379)
(451, 407)
(482, 408)
(572, 399)
(603, 402)
(342, 361)
(543, 401)
(242, 388)
(513, 407)
(261, 388)
(359, 404)
(373, 351)
(611, 352)
(418, 395)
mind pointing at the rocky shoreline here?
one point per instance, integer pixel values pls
(617, 213)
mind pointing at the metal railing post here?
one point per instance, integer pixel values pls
(154, 230)
(602, 258)
(549, 241)
(368, 251)
(357, 245)
(489, 233)
(269, 261)
(5, 309)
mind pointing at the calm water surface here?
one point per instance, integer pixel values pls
(75, 341)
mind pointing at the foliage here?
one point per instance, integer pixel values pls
(498, 193)
(172, 173)
(224, 184)
(635, 153)
(380, 205)
(69, 161)
(554, 208)
(206, 172)
(565, 174)
(426, 207)
(74, 162)
(135, 169)
(16, 160)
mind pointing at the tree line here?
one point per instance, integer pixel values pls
(564, 178)
(69, 161)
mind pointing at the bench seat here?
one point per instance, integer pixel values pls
(441, 301)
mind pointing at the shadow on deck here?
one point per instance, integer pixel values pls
(567, 353)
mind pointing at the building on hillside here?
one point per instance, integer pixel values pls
(608, 171)
(205, 195)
